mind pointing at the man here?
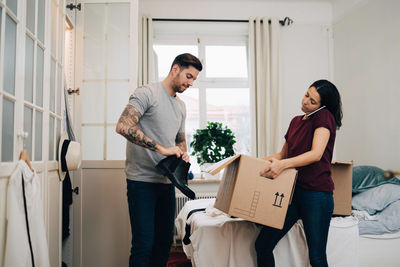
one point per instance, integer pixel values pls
(154, 124)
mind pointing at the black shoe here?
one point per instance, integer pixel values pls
(176, 169)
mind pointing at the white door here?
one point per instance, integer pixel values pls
(106, 52)
(31, 67)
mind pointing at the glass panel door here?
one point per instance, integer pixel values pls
(106, 77)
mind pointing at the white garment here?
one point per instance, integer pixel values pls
(17, 252)
(220, 241)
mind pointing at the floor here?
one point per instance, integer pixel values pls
(178, 258)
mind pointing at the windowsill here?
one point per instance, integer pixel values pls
(204, 181)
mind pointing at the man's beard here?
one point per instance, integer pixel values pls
(177, 87)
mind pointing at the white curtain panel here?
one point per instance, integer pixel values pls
(146, 55)
(265, 86)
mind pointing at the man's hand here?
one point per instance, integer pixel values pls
(173, 150)
(168, 151)
(185, 157)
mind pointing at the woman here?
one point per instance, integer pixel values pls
(309, 146)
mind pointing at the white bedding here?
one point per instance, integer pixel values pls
(218, 240)
(379, 250)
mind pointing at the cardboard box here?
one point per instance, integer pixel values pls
(342, 175)
(245, 194)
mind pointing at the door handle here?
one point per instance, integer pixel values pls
(76, 190)
(23, 135)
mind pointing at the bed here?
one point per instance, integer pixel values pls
(368, 238)
(376, 204)
(379, 250)
(218, 240)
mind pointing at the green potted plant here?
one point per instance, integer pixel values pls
(212, 144)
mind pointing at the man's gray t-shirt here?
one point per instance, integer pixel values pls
(163, 117)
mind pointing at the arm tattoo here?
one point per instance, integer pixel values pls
(128, 128)
(180, 141)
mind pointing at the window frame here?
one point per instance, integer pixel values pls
(22, 31)
(15, 99)
(203, 82)
(34, 106)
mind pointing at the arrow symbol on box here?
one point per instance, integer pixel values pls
(282, 196)
(276, 199)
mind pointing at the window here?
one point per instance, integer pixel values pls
(221, 92)
(8, 37)
(24, 110)
(56, 76)
(33, 84)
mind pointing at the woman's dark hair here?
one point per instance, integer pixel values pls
(186, 60)
(330, 98)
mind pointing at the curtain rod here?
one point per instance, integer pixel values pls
(285, 21)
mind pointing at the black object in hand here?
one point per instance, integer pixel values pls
(176, 169)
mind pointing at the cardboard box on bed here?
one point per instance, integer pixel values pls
(342, 175)
(245, 194)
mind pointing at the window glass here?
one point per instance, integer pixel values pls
(58, 135)
(231, 106)
(54, 28)
(1, 16)
(117, 100)
(192, 123)
(94, 20)
(13, 4)
(226, 61)
(115, 145)
(41, 18)
(52, 84)
(93, 142)
(59, 89)
(93, 59)
(165, 55)
(93, 96)
(28, 129)
(7, 145)
(30, 15)
(9, 57)
(191, 99)
(39, 76)
(61, 34)
(118, 15)
(38, 135)
(118, 58)
(51, 138)
(29, 45)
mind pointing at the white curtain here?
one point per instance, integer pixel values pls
(146, 69)
(265, 86)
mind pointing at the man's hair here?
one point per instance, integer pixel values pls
(186, 60)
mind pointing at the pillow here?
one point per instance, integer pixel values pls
(377, 198)
(366, 177)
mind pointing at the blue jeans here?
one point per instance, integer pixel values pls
(151, 212)
(315, 209)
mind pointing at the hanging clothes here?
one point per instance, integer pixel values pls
(26, 243)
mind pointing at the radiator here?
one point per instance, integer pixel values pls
(182, 199)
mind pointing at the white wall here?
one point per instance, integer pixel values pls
(367, 68)
(306, 45)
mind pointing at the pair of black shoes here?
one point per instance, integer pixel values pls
(176, 169)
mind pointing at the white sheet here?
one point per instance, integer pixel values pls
(219, 241)
(379, 250)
